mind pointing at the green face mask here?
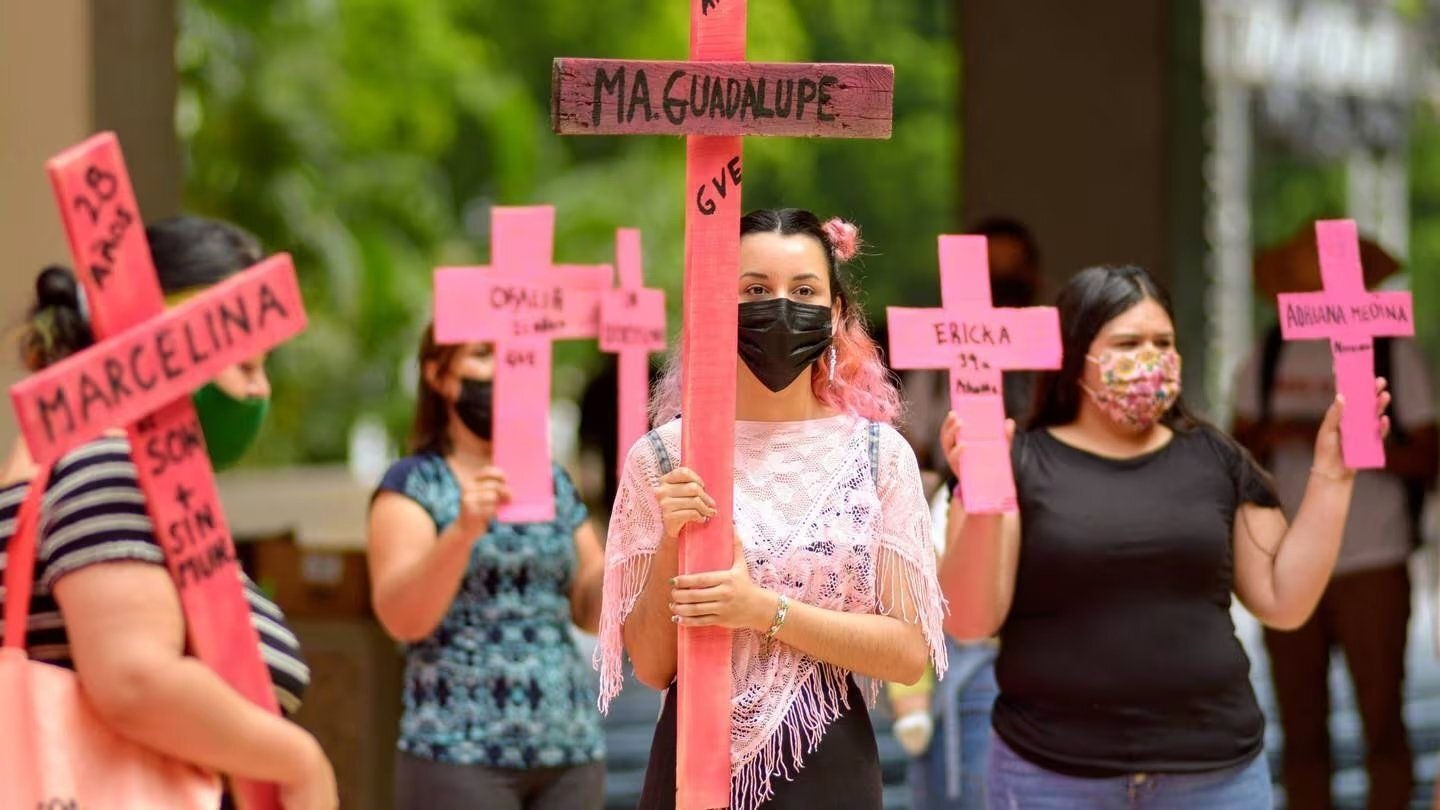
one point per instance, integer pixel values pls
(230, 425)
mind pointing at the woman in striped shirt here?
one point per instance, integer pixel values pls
(104, 603)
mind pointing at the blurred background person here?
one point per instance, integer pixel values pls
(1281, 397)
(499, 702)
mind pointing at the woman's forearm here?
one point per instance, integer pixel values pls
(412, 600)
(585, 601)
(973, 575)
(650, 632)
(180, 707)
(1306, 557)
(869, 644)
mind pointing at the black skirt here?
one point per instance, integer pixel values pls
(844, 771)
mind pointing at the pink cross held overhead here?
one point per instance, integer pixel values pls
(714, 100)
(521, 303)
(976, 342)
(632, 326)
(1350, 318)
(138, 376)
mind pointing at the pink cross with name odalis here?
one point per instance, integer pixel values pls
(632, 326)
(713, 100)
(138, 376)
(1350, 318)
(976, 342)
(521, 303)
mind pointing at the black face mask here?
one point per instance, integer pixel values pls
(475, 406)
(780, 338)
(1012, 292)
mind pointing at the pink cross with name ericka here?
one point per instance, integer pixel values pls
(139, 375)
(1350, 318)
(976, 342)
(632, 326)
(521, 303)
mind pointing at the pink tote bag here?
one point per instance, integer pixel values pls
(56, 753)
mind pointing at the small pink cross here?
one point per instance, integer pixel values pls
(1350, 318)
(632, 326)
(976, 342)
(522, 302)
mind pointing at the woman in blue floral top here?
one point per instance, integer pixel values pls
(499, 704)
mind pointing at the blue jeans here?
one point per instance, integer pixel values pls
(950, 775)
(1018, 784)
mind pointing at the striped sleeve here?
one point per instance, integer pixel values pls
(289, 673)
(94, 512)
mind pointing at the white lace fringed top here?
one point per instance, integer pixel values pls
(818, 526)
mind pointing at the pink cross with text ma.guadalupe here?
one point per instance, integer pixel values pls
(976, 342)
(713, 101)
(1350, 318)
(521, 303)
(632, 326)
(138, 376)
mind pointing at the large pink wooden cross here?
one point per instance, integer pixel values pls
(521, 303)
(632, 326)
(1350, 318)
(976, 342)
(714, 100)
(139, 376)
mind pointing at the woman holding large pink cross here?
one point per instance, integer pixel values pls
(103, 602)
(1122, 684)
(834, 574)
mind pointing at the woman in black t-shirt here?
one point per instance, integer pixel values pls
(1122, 683)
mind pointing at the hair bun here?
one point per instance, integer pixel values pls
(844, 238)
(56, 286)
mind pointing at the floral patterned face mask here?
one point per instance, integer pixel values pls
(1139, 386)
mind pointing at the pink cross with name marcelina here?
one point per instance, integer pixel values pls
(138, 375)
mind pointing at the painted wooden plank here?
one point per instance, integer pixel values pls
(619, 97)
(710, 309)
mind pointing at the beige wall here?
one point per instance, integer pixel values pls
(59, 82)
(45, 70)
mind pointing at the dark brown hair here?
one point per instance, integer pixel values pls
(430, 433)
(1093, 298)
(55, 328)
(194, 252)
(189, 253)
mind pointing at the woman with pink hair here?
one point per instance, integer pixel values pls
(834, 574)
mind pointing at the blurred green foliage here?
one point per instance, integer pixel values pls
(371, 137)
(1424, 264)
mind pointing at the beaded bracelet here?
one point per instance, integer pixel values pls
(780, 613)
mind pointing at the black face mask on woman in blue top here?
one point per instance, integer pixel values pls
(475, 406)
